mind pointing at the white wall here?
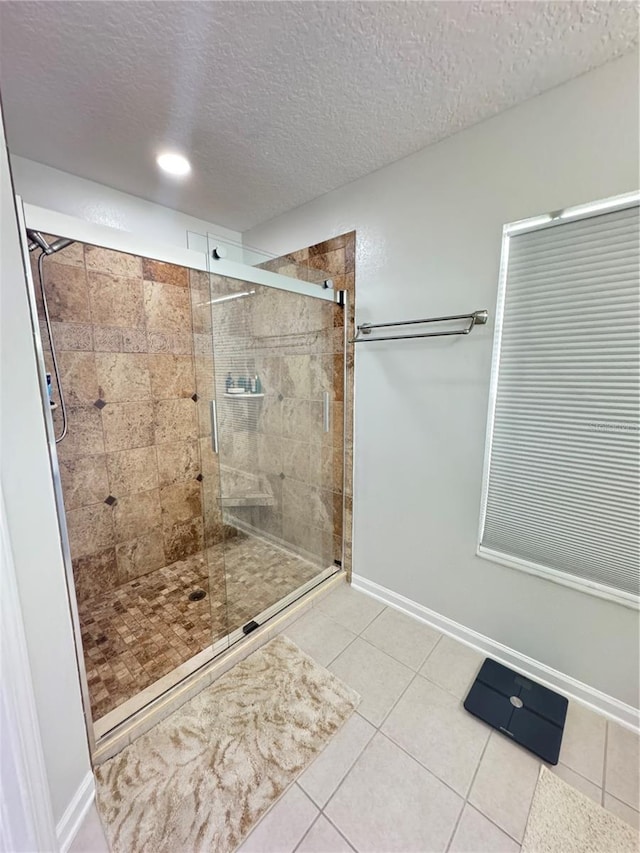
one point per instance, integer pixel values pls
(66, 193)
(25, 474)
(428, 243)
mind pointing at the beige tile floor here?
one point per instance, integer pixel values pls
(411, 770)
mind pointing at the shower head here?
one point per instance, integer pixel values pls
(36, 240)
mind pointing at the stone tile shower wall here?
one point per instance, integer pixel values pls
(134, 337)
(337, 258)
(131, 465)
(291, 348)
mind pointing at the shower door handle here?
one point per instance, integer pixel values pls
(214, 426)
(326, 412)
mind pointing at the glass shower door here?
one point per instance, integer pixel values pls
(278, 390)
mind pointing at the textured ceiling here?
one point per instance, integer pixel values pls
(276, 103)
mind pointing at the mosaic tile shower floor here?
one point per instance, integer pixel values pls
(134, 635)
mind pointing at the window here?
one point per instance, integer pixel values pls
(561, 483)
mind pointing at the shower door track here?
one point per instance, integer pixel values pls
(80, 231)
(51, 222)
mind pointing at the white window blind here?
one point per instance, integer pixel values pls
(561, 486)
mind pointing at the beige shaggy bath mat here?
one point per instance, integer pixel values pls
(203, 777)
(562, 820)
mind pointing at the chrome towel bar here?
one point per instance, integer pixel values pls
(476, 318)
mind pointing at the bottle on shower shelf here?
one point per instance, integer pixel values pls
(228, 382)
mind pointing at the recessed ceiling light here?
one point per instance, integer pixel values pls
(174, 164)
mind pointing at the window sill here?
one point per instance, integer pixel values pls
(627, 599)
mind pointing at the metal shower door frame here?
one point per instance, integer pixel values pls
(55, 475)
(51, 222)
(340, 298)
(81, 231)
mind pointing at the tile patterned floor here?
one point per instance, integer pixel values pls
(134, 635)
(259, 575)
(411, 771)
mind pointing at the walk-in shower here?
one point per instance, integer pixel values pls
(199, 421)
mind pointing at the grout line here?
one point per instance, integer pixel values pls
(573, 770)
(298, 785)
(356, 635)
(375, 619)
(526, 823)
(339, 831)
(473, 778)
(475, 773)
(342, 781)
(370, 622)
(315, 820)
(393, 707)
(413, 675)
(478, 809)
(424, 767)
(455, 826)
(334, 659)
(390, 654)
(430, 652)
(435, 646)
(271, 808)
(459, 699)
(493, 823)
(350, 767)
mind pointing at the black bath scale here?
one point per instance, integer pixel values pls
(528, 713)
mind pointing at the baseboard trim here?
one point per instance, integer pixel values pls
(570, 687)
(75, 812)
